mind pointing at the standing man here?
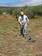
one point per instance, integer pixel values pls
(23, 21)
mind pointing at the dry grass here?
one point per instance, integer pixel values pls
(11, 44)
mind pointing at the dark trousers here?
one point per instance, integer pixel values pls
(21, 30)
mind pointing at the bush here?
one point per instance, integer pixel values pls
(1, 11)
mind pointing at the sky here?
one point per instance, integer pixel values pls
(20, 2)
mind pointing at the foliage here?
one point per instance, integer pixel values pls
(30, 11)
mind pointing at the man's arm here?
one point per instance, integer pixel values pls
(19, 20)
(27, 20)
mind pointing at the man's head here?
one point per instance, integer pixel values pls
(22, 13)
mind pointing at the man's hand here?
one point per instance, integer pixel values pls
(20, 23)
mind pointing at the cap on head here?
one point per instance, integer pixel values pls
(22, 13)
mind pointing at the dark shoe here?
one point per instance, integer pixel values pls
(29, 38)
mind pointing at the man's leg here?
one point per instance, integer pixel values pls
(25, 30)
(21, 30)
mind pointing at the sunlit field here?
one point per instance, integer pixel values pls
(12, 44)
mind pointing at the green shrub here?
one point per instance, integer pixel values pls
(1, 11)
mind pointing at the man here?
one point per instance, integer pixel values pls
(23, 21)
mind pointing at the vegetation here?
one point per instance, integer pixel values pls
(31, 11)
(12, 44)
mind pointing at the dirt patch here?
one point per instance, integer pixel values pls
(11, 44)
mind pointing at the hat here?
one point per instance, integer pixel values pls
(22, 13)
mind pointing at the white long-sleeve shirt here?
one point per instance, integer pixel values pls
(24, 21)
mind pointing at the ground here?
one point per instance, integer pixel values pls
(12, 44)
